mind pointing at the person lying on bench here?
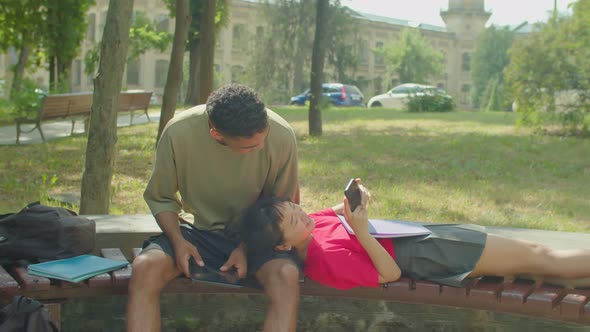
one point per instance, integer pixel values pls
(450, 255)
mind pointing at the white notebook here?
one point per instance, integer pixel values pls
(390, 228)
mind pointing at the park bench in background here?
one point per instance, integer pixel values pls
(77, 106)
(518, 296)
(135, 100)
(72, 106)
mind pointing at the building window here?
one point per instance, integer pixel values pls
(161, 73)
(236, 73)
(378, 56)
(239, 40)
(133, 72)
(466, 62)
(77, 72)
(378, 84)
(259, 32)
(103, 21)
(363, 52)
(163, 23)
(91, 32)
(466, 94)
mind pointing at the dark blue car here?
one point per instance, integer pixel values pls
(339, 94)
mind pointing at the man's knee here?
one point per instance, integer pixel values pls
(151, 272)
(279, 277)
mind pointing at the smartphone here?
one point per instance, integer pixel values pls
(353, 194)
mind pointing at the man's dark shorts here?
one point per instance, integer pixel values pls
(213, 246)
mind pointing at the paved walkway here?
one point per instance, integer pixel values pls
(58, 129)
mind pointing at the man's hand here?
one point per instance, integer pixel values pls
(238, 260)
(183, 251)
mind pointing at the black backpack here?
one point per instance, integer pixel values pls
(40, 232)
(25, 315)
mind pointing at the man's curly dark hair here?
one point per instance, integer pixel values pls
(237, 111)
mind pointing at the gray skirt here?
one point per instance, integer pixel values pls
(445, 256)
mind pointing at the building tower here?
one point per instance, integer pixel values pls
(464, 20)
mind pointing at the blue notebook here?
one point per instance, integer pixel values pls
(390, 228)
(77, 268)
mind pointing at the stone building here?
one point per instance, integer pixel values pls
(464, 20)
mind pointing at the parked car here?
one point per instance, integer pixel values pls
(339, 94)
(399, 96)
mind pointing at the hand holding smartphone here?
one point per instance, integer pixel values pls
(353, 194)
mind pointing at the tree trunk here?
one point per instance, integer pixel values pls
(63, 74)
(19, 69)
(174, 78)
(52, 73)
(102, 133)
(317, 68)
(207, 51)
(192, 89)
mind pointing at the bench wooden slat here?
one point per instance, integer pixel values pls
(30, 282)
(8, 286)
(544, 299)
(485, 293)
(135, 252)
(515, 293)
(101, 280)
(572, 306)
(120, 277)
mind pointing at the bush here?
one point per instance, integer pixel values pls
(26, 102)
(430, 103)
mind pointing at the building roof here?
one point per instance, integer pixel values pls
(397, 21)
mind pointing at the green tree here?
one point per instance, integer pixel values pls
(487, 66)
(281, 55)
(341, 38)
(22, 24)
(412, 58)
(143, 36)
(281, 50)
(64, 29)
(548, 72)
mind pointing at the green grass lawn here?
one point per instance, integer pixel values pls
(470, 167)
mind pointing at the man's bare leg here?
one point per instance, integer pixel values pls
(152, 270)
(280, 279)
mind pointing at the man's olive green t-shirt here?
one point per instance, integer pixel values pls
(208, 183)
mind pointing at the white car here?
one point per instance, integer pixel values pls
(399, 96)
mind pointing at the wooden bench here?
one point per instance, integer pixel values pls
(493, 294)
(77, 106)
(135, 100)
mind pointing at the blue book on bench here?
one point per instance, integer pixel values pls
(77, 268)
